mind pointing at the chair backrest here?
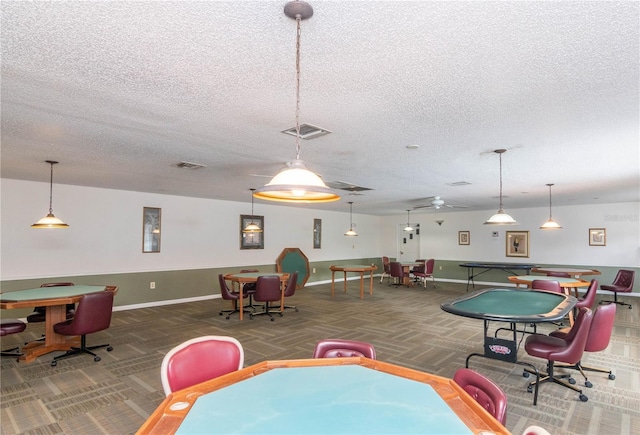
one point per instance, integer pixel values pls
(337, 348)
(225, 292)
(486, 392)
(590, 296)
(396, 269)
(601, 328)
(429, 265)
(624, 279)
(576, 339)
(43, 310)
(559, 274)
(421, 267)
(386, 266)
(93, 314)
(268, 289)
(543, 284)
(198, 360)
(57, 284)
(290, 289)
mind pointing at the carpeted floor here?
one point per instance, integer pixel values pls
(407, 327)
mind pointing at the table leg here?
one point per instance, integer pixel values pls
(333, 273)
(52, 341)
(371, 284)
(241, 291)
(344, 280)
(361, 285)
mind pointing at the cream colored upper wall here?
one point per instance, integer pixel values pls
(569, 246)
(105, 233)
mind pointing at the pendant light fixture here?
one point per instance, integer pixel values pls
(50, 221)
(351, 232)
(296, 183)
(550, 224)
(501, 218)
(408, 227)
(252, 227)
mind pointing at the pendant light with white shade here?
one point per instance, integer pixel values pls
(252, 227)
(351, 233)
(501, 218)
(50, 221)
(408, 227)
(550, 224)
(296, 183)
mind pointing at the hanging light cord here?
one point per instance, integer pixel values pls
(51, 191)
(298, 19)
(550, 202)
(500, 155)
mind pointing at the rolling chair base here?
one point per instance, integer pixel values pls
(81, 350)
(550, 377)
(268, 309)
(10, 352)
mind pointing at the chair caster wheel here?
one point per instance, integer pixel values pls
(227, 317)
(272, 319)
(109, 349)
(583, 398)
(96, 359)
(296, 310)
(280, 315)
(612, 376)
(572, 381)
(250, 316)
(54, 363)
(529, 389)
(588, 384)
(220, 313)
(525, 374)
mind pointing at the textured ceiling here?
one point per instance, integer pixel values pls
(120, 92)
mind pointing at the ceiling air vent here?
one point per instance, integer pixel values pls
(352, 188)
(459, 183)
(189, 165)
(307, 131)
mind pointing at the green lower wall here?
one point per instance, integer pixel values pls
(181, 284)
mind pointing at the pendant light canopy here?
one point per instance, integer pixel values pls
(296, 183)
(408, 227)
(501, 218)
(351, 232)
(550, 224)
(252, 227)
(50, 221)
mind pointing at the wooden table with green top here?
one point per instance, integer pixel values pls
(359, 268)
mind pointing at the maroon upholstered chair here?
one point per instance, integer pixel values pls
(420, 268)
(198, 360)
(559, 274)
(486, 392)
(229, 295)
(396, 271)
(597, 341)
(549, 285)
(623, 283)
(92, 315)
(8, 327)
(567, 350)
(386, 269)
(249, 289)
(426, 272)
(337, 348)
(267, 290)
(589, 297)
(290, 289)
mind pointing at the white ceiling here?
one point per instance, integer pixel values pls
(120, 92)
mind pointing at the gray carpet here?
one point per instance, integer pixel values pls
(407, 327)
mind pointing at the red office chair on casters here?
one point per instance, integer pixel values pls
(336, 348)
(290, 289)
(198, 360)
(396, 272)
(623, 283)
(92, 315)
(229, 295)
(8, 327)
(386, 269)
(249, 289)
(486, 392)
(267, 290)
(543, 284)
(598, 340)
(567, 350)
(426, 272)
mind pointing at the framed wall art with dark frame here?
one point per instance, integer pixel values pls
(317, 233)
(151, 222)
(464, 237)
(251, 240)
(597, 237)
(517, 244)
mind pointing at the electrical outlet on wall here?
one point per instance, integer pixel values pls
(152, 285)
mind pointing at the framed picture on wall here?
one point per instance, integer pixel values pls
(517, 244)
(597, 237)
(317, 233)
(251, 240)
(151, 220)
(464, 237)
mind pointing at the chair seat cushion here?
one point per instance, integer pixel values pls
(11, 326)
(560, 333)
(544, 346)
(616, 288)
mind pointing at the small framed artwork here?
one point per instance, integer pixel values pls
(317, 233)
(464, 238)
(151, 220)
(251, 240)
(517, 244)
(597, 237)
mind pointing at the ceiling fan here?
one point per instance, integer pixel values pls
(438, 203)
